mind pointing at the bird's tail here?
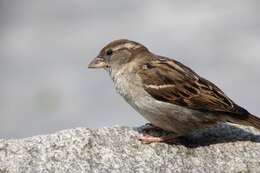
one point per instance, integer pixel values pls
(245, 119)
(254, 121)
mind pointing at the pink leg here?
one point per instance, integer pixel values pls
(150, 139)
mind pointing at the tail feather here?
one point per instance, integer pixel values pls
(246, 119)
(254, 121)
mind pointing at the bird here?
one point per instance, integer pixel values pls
(170, 95)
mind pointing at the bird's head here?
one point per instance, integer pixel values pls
(116, 54)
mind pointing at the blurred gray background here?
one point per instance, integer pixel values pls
(45, 46)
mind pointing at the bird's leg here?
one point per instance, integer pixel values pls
(147, 138)
(151, 139)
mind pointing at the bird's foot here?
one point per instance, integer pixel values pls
(150, 127)
(150, 139)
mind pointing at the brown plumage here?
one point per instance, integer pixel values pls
(170, 81)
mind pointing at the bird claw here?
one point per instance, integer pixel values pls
(150, 127)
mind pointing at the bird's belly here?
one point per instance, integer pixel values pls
(171, 117)
(168, 116)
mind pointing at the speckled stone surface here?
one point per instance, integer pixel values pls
(221, 149)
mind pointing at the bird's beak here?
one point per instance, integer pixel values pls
(97, 63)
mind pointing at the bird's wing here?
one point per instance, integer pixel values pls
(170, 81)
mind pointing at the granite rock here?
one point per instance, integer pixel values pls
(224, 148)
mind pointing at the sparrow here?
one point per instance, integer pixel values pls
(170, 95)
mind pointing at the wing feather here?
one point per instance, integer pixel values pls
(170, 81)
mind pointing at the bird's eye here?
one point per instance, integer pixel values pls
(109, 52)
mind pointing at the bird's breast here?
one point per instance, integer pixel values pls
(126, 86)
